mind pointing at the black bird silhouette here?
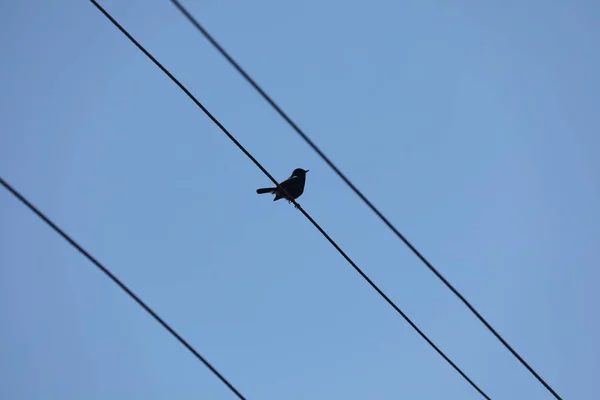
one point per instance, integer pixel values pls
(294, 186)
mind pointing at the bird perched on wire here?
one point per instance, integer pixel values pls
(294, 186)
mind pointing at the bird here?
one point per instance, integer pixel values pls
(294, 186)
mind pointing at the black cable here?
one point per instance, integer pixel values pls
(116, 280)
(358, 192)
(333, 243)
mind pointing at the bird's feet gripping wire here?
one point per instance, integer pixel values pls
(296, 206)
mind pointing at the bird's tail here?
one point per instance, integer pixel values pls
(265, 190)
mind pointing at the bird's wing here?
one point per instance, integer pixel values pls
(289, 181)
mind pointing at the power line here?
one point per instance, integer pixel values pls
(123, 286)
(299, 131)
(331, 241)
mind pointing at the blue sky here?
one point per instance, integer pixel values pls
(472, 126)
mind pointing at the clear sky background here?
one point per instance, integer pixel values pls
(472, 126)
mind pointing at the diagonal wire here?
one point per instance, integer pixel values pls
(299, 131)
(331, 241)
(116, 280)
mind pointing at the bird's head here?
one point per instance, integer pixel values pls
(299, 172)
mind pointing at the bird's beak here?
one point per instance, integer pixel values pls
(305, 170)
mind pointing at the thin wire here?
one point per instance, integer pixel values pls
(333, 243)
(116, 280)
(209, 37)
